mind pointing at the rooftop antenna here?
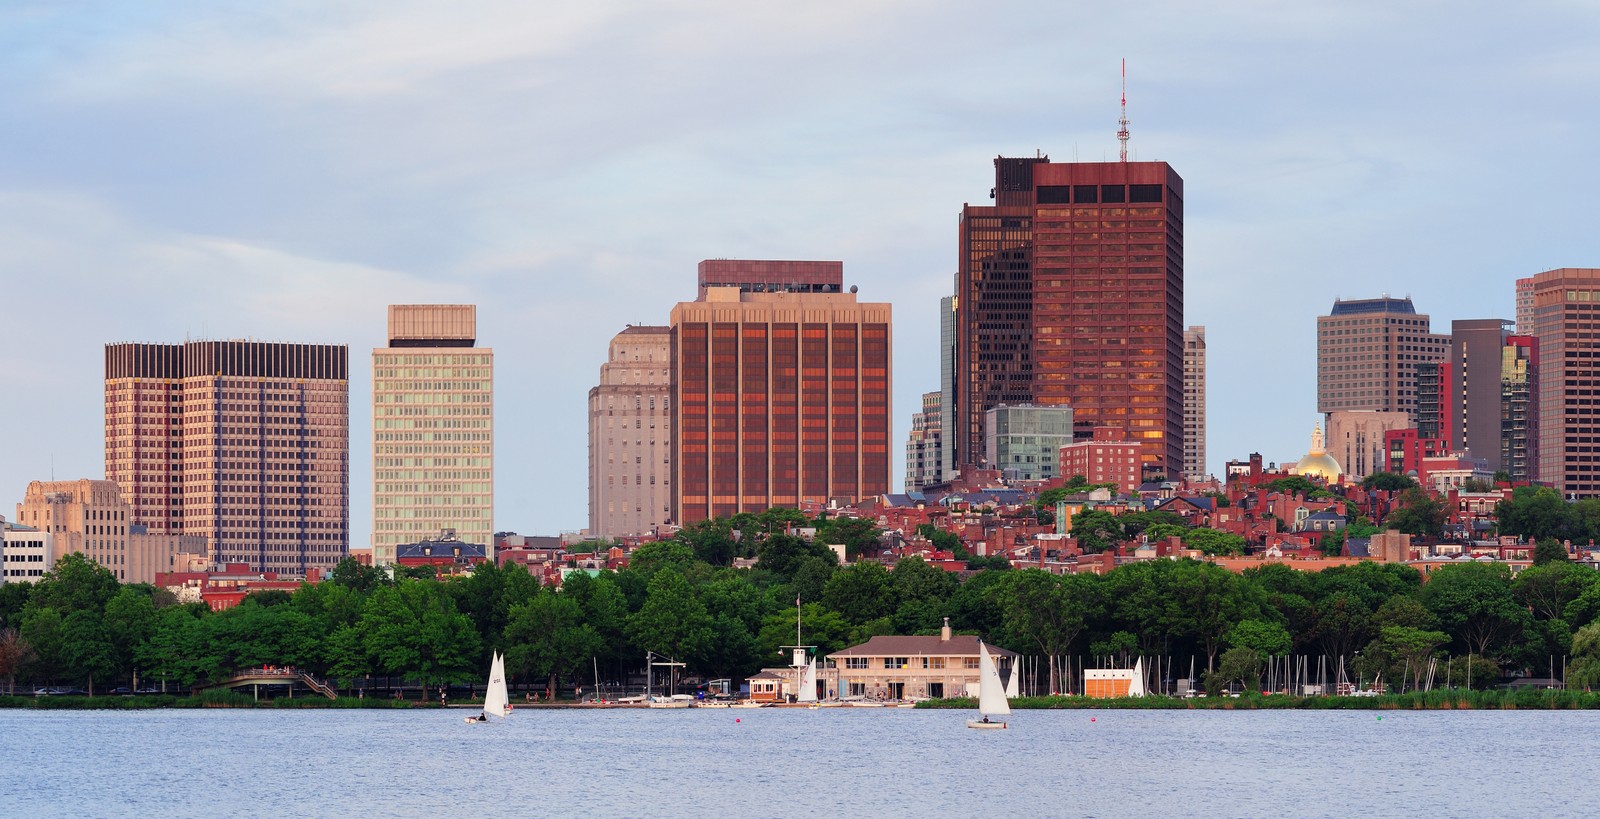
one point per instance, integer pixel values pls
(1122, 132)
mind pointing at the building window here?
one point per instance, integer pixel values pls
(969, 662)
(896, 662)
(855, 662)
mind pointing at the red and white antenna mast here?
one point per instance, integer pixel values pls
(1122, 133)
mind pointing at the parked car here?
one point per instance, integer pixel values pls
(147, 690)
(121, 689)
(43, 692)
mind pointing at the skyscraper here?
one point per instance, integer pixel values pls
(948, 381)
(1519, 407)
(432, 430)
(779, 397)
(244, 443)
(1564, 317)
(1472, 410)
(630, 435)
(1069, 292)
(924, 443)
(1194, 402)
(1368, 351)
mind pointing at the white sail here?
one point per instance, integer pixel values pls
(991, 692)
(808, 682)
(1136, 687)
(495, 700)
(1013, 686)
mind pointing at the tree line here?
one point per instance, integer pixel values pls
(683, 598)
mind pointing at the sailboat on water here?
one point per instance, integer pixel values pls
(495, 700)
(991, 693)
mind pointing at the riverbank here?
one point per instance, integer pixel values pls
(1437, 700)
(209, 699)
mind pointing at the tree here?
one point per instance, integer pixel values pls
(1344, 623)
(857, 534)
(546, 637)
(86, 649)
(861, 592)
(1547, 589)
(1096, 531)
(14, 654)
(1214, 542)
(1388, 481)
(1419, 513)
(131, 621)
(1400, 651)
(1584, 670)
(75, 583)
(711, 540)
(1474, 604)
(1046, 611)
(356, 576)
(1548, 550)
(1266, 638)
(1210, 600)
(1243, 665)
(782, 555)
(662, 554)
(672, 622)
(1539, 512)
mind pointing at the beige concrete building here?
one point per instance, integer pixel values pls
(432, 430)
(1194, 403)
(1564, 316)
(899, 668)
(1356, 440)
(92, 517)
(243, 443)
(630, 435)
(1367, 355)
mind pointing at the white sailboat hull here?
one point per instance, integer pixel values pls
(978, 723)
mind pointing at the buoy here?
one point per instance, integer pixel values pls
(1091, 719)
(735, 719)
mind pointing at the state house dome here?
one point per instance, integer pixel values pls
(1318, 463)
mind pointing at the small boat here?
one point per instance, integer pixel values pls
(495, 700)
(807, 692)
(674, 701)
(991, 693)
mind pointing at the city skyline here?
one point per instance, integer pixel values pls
(203, 175)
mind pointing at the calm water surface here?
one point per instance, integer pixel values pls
(781, 762)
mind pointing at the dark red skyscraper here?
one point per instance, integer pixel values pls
(1070, 292)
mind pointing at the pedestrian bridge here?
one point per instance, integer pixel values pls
(277, 675)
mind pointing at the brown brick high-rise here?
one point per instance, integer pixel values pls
(1070, 292)
(779, 398)
(245, 443)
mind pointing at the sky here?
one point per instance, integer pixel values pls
(284, 170)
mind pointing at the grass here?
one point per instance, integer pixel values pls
(206, 699)
(1453, 699)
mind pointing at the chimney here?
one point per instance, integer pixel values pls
(944, 633)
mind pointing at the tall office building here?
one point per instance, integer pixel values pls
(924, 443)
(1368, 351)
(630, 435)
(1472, 411)
(432, 430)
(1356, 439)
(244, 443)
(779, 397)
(1524, 299)
(948, 381)
(1194, 402)
(1070, 293)
(1564, 317)
(1432, 380)
(1519, 407)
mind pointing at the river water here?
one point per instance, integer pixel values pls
(787, 763)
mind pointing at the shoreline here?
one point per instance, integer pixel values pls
(1437, 700)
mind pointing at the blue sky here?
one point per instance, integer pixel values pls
(284, 170)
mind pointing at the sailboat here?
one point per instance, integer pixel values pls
(991, 693)
(495, 700)
(1014, 684)
(808, 683)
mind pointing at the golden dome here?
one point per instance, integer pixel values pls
(1318, 463)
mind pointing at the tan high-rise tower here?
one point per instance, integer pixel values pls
(244, 443)
(630, 435)
(1367, 355)
(432, 430)
(1194, 403)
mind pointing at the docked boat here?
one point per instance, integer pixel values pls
(991, 693)
(674, 701)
